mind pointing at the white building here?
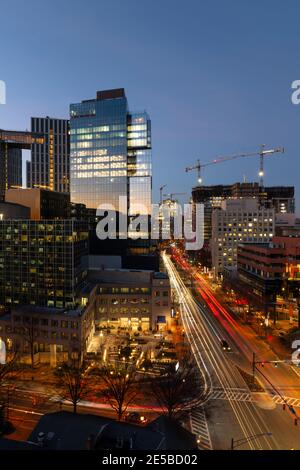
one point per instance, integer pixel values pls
(238, 221)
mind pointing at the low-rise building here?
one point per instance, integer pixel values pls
(138, 300)
(49, 335)
(115, 299)
(268, 275)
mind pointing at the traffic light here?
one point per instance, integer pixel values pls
(295, 421)
(275, 364)
(283, 406)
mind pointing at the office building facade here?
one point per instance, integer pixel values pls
(41, 262)
(238, 221)
(280, 197)
(11, 145)
(132, 299)
(110, 154)
(268, 276)
(49, 167)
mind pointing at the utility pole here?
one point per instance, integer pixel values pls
(253, 367)
(247, 439)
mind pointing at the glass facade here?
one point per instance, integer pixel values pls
(99, 151)
(40, 262)
(110, 153)
(139, 163)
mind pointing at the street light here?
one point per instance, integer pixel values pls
(244, 440)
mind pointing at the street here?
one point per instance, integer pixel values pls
(232, 418)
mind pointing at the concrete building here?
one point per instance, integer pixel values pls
(238, 221)
(280, 197)
(268, 275)
(9, 210)
(49, 335)
(43, 204)
(138, 300)
(115, 299)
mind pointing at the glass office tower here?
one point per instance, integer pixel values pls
(110, 152)
(139, 166)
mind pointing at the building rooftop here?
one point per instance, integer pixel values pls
(66, 430)
(11, 444)
(160, 275)
(21, 139)
(37, 310)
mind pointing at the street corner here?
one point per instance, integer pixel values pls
(263, 400)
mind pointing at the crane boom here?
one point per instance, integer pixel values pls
(262, 153)
(161, 192)
(173, 194)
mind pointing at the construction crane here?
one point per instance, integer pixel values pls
(161, 192)
(262, 153)
(173, 194)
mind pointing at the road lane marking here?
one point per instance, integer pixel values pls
(200, 428)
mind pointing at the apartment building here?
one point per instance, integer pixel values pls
(238, 221)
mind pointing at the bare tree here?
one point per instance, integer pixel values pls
(8, 371)
(10, 366)
(30, 332)
(174, 388)
(73, 382)
(121, 387)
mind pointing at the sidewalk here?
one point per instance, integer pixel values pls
(282, 347)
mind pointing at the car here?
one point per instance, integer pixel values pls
(225, 346)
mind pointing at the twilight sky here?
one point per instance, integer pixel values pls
(214, 75)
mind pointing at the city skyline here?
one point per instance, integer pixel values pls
(149, 229)
(221, 112)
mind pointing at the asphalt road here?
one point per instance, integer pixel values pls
(231, 418)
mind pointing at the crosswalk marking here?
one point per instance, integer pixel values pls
(198, 420)
(289, 400)
(244, 395)
(200, 428)
(230, 395)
